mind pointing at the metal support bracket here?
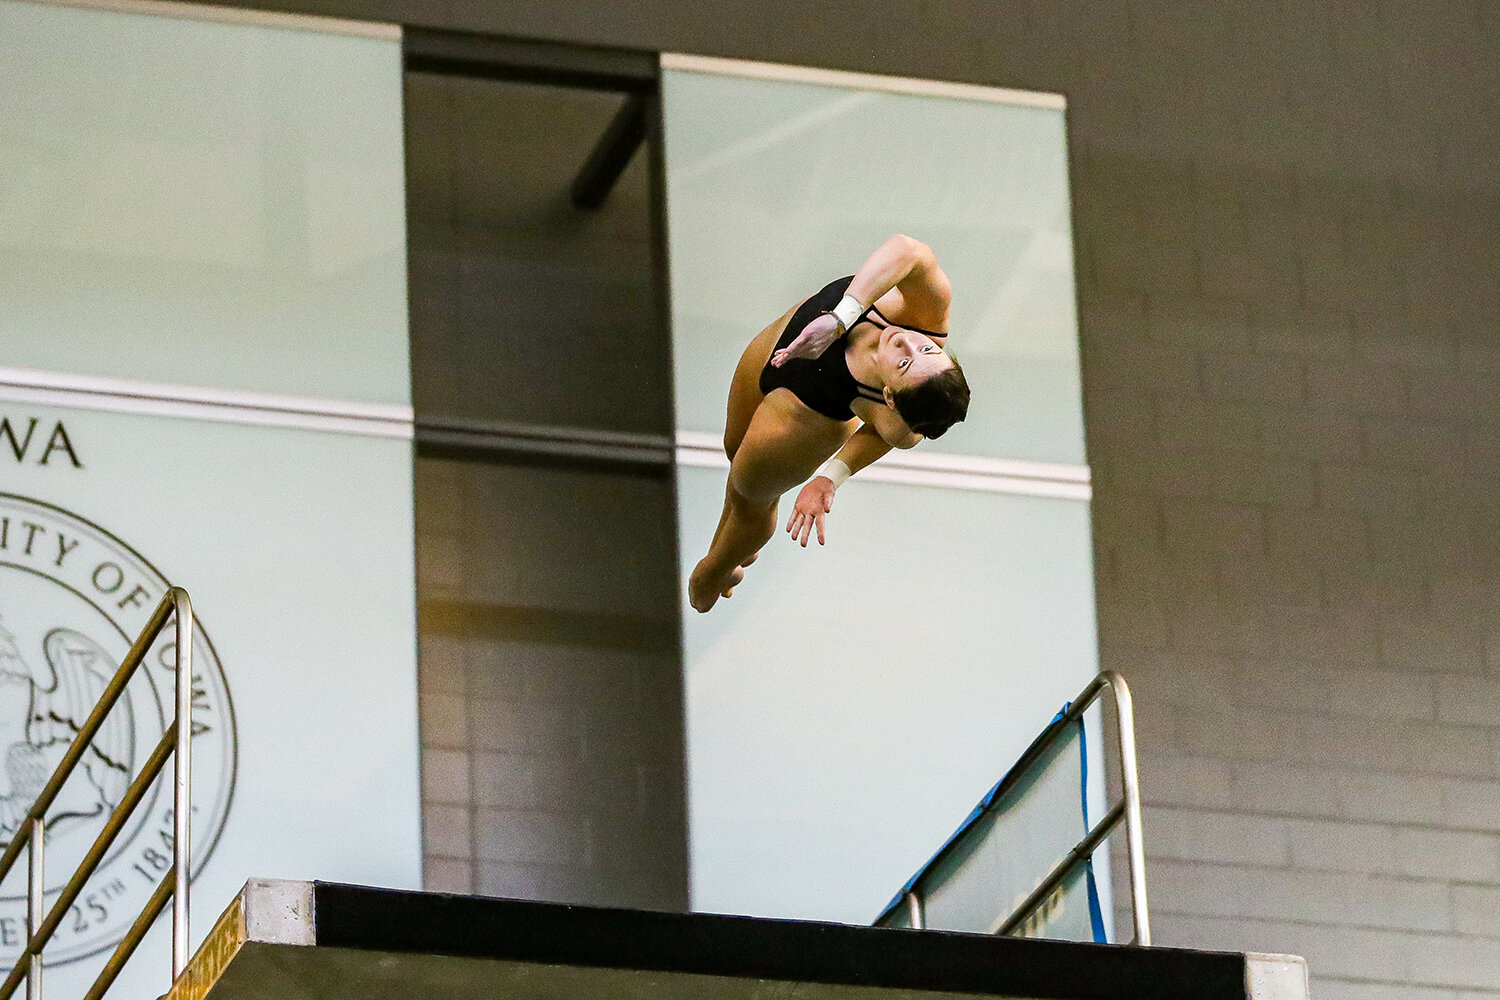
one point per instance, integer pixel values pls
(597, 177)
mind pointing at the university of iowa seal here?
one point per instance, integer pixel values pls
(72, 600)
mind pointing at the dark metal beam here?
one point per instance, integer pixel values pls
(596, 178)
(457, 54)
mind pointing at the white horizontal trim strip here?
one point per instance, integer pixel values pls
(959, 472)
(979, 465)
(239, 15)
(92, 392)
(862, 81)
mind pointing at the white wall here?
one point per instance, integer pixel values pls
(850, 703)
(204, 274)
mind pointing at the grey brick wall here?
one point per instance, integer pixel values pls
(1296, 519)
(551, 701)
(1296, 512)
(550, 680)
(1288, 235)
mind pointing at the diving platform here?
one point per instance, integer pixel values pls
(289, 940)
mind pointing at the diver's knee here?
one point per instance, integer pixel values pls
(747, 500)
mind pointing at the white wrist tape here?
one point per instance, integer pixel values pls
(835, 470)
(848, 311)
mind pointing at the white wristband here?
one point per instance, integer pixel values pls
(848, 311)
(835, 470)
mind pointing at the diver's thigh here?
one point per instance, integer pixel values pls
(782, 445)
(745, 396)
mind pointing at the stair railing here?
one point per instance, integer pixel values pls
(1127, 809)
(175, 742)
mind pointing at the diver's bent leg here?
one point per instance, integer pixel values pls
(724, 516)
(781, 445)
(746, 526)
(723, 520)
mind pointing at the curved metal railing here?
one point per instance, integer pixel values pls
(1127, 809)
(174, 885)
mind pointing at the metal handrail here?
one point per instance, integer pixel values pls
(177, 740)
(1128, 809)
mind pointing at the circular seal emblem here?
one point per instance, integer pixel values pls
(73, 599)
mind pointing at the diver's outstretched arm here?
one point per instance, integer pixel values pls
(900, 264)
(910, 267)
(815, 500)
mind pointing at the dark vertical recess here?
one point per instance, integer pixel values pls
(549, 627)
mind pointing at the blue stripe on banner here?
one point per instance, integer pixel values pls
(1096, 916)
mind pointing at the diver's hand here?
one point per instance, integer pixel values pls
(815, 338)
(813, 503)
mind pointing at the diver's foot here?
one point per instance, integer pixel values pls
(703, 594)
(735, 576)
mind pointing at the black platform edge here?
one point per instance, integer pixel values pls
(402, 921)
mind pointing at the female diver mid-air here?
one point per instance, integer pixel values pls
(841, 378)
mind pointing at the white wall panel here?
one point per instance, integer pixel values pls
(202, 203)
(849, 704)
(203, 277)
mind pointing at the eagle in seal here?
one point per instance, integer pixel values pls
(41, 711)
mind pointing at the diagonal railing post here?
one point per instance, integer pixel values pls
(88, 730)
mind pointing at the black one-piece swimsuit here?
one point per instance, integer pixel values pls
(824, 382)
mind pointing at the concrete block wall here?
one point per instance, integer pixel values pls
(1296, 517)
(551, 704)
(1288, 235)
(1289, 321)
(551, 701)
